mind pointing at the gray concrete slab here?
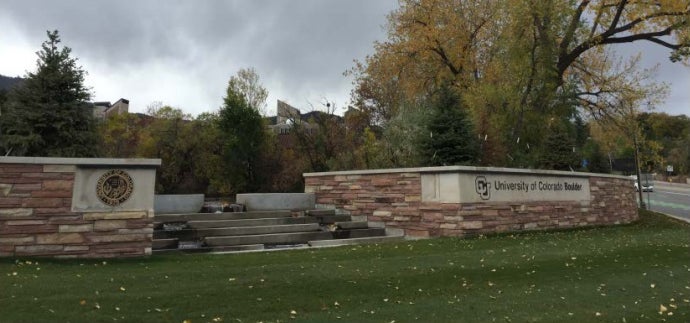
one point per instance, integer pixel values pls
(177, 203)
(355, 241)
(119, 162)
(240, 231)
(221, 216)
(250, 222)
(277, 201)
(289, 238)
(165, 243)
(279, 238)
(320, 212)
(349, 225)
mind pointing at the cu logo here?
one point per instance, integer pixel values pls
(483, 187)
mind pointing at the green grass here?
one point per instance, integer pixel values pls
(624, 273)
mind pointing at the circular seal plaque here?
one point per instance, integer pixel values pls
(114, 187)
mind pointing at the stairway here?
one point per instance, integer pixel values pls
(259, 230)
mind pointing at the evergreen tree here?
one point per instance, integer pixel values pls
(451, 139)
(48, 115)
(597, 163)
(559, 149)
(243, 133)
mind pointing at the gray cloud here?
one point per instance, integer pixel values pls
(183, 52)
(299, 47)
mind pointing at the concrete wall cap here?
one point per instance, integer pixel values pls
(466, 169)
(86, 162)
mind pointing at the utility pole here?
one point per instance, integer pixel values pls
(637, 170)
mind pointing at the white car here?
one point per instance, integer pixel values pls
(649, 187)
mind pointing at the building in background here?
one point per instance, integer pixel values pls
(103, 110)
(286, 118)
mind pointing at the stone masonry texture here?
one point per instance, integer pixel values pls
(36, 218)
(394, 200)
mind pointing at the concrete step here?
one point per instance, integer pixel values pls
(331, 219)
(197, 230)
(170, 243)
(358, 233)
(250, 222)
(349, 225)
(320, 212)
(245, 231)
(213, 249)
(250, 247)
(220, 216)
(277, 238)
(291, 238)
(325, 219)
(200, 229)
(354, 241)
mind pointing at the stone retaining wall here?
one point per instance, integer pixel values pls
(398, 198)
(38, 216)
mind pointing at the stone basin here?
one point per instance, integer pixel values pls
(177, 203)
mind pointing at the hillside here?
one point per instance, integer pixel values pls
(6, 82)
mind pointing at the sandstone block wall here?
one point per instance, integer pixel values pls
(37, 219)
(394, 199)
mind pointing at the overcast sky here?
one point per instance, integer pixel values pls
(182, 53)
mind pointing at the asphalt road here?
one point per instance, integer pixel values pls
(671, 199)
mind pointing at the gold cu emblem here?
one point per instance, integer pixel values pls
(114, 187)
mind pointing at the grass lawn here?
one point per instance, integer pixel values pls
(638, 272)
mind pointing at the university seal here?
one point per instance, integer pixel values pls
(114, 187)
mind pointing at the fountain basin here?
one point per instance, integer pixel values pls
(177, 203)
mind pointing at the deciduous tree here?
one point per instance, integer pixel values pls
(520, 62)
(169, 138)
(247, 84)
(243, 134)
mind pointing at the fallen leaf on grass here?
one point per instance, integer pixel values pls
(662, 309)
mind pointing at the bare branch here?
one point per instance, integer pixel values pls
(574, 22)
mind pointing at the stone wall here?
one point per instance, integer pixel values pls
(395, 199)
(38, 217)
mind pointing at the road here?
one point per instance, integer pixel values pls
(672, 199)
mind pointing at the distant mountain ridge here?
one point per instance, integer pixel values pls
(6, 82)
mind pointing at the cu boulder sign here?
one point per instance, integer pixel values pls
(497, 187)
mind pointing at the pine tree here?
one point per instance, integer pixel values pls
(48, 115)
(559, 152)
(451, 139)
(598, 163)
